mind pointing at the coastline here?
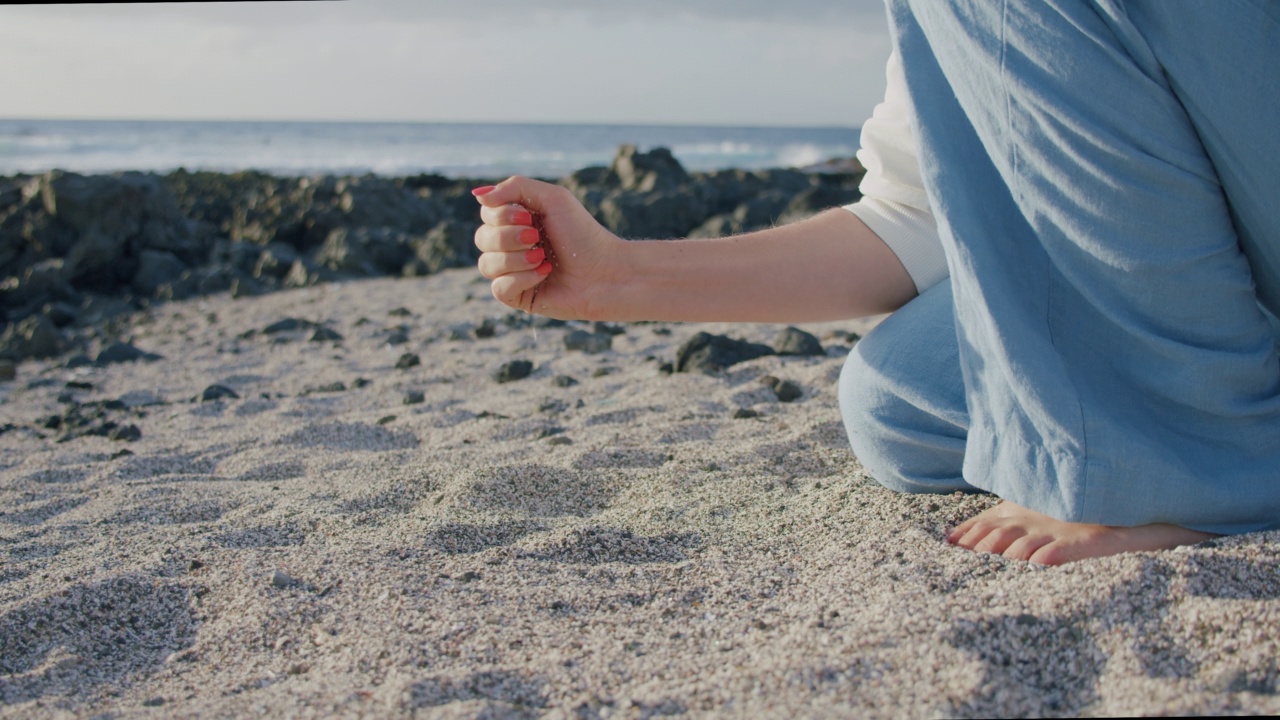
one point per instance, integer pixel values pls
(310, 523)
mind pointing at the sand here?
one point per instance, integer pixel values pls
(619, 547)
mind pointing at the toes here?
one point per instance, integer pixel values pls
(998, 539)
(961, 530)
(1026, 546)
(1054, 553)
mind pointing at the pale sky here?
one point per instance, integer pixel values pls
(724, 62)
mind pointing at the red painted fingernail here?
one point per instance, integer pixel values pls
(483, 190)
(544, 269)
(522, 217)
(529, 236)
(535, 256)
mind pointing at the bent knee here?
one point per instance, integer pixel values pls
(902, 445)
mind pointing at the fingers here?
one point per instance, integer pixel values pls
(513, 289)
(535, 195)
(505, 215)
(512, 238)
(494, 265)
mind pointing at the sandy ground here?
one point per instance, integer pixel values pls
(619, 547)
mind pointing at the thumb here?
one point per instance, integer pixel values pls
(534, 195)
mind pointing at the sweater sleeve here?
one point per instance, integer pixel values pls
(894, 204)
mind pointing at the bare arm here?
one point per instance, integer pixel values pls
(829, 267)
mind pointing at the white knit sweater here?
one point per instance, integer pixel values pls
(894, 204)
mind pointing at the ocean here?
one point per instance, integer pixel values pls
(395, 149)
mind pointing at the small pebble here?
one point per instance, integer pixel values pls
(608, 328)
(795, 341)
(286, 325)
(194, 565)
(553, 406)
(486, 329)
(121, 453)
(386, 419)
(786, 390)
(414, 397)
(400, 312)
(744, 414)
(468, 576)
(153, 702)
(332, 387)
(217, 392)
(398, 337)
(602, 371)
(282, 581)
(125, 433)
(559, 440)
(407, 361)
(590, 343)
(563, 381)
(361, 382)
(324, 334)
(514, 370)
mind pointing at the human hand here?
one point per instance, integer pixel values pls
(543, 251)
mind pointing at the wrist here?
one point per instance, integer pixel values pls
(617, 289)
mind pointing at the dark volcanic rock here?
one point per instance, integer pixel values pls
(96, 418)
(590, 343)
(217, 392)
(653, 216)
(656, 169)
(795, 341)
(68, 241)
(324, 334)
(100, 222)
(608, 328)
(59, 313)
(709, 353)
(34, 337)
(333, 387)
(365, 251)
(407, 361)
(125, 433)
(156, 268)
(514, 370)
(121, 352)
(40, 283)
(276, 260)
(287, 325)
(449, 244)
(785, 390)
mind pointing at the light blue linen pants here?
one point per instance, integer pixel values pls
(1106, 178)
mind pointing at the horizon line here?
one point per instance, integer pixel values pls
(353, 121)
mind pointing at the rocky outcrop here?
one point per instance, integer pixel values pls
(76, 250)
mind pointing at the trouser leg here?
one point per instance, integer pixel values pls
(1116, 364)
(902, 398)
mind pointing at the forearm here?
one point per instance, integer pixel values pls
(829, 267)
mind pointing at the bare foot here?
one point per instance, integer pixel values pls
(1021, 534)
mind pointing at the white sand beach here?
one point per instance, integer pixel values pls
(621, 546)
